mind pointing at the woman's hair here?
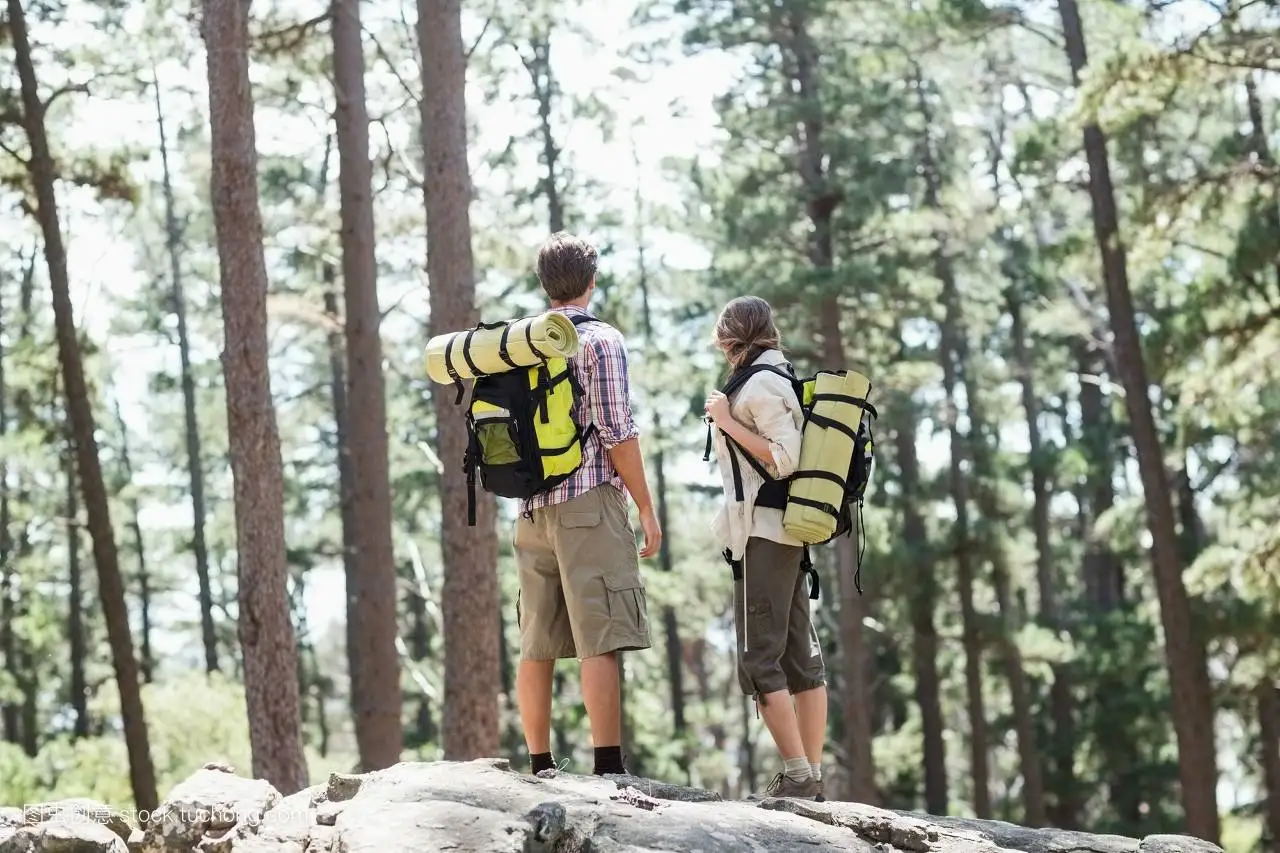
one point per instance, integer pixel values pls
(745, 329)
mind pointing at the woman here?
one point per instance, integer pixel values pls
(778, 652)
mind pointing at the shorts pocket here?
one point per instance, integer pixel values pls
(628, 605)
(518, 625)
(580, 519)
(760, 621)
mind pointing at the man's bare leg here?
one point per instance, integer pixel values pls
(601, 693)
(533, 694)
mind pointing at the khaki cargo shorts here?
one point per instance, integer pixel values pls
(581, 593)
(778, 647)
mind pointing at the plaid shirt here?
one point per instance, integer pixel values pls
(601, 370)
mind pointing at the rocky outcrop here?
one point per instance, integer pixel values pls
(485, 807)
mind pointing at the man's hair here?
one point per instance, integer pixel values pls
(566, 266)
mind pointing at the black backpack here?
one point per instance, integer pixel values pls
(775, 493)
(522, 439)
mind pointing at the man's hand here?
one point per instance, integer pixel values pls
(652, 533)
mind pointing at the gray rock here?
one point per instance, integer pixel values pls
(549, 822)
(65, 833)
(207, 812)
(1027, 840)
(665, 790)
(484, 807)
(327, 813)
(343, 786)
(1175, 844)
(875, 825)
(79, 807)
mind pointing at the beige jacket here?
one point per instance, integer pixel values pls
(767, 406)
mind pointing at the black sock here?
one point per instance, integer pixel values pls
(540, 761)
(609, 760)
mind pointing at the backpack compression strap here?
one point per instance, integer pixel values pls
(503, 352)
(829, 423)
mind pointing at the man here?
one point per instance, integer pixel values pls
(581, 593)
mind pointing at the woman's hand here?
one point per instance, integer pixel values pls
(717, 408)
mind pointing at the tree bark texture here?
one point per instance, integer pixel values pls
(8, 710)
(80, 413)
(924, 631)
(75, 604)
(1269, 739)
(1185, 654)
(266, 632)
(470, 591)
(195, 459)
(375, 683)
(1063, 746)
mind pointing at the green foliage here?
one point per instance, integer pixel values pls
(950, 140)
(193, 719)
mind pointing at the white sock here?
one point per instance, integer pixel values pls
(816, 770)
(797, 769)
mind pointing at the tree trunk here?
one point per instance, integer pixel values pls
(1103, 576)
(855, 657)
(420, 650)
(670, 623)
(79, 693)
(544, 90)
(962, 545)
(346, 489)
(1269, 730)
(955, 338)
(376, 682)
(821, 201)
(1103, 572)
(322, 710)
(1033, 795)
(1063, 749)
(962, 542)
(1262, 150)
(748, 768)
(266, 633)
(80, 413)
(20, 727)
(135, 529)
(470, 594)
(30, 684)
(195, 460)
(697, 663)
(342, 442)
(1193, 716)
(306, 648)
(955, 346)
(1191, 533)
(924, 632)
(8, 710)
(635, 762)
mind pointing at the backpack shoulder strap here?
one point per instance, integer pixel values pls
(739, 378)
(579, 319)
(734, 384)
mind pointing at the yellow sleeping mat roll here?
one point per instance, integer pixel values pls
(498, 347)
(826, 453)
